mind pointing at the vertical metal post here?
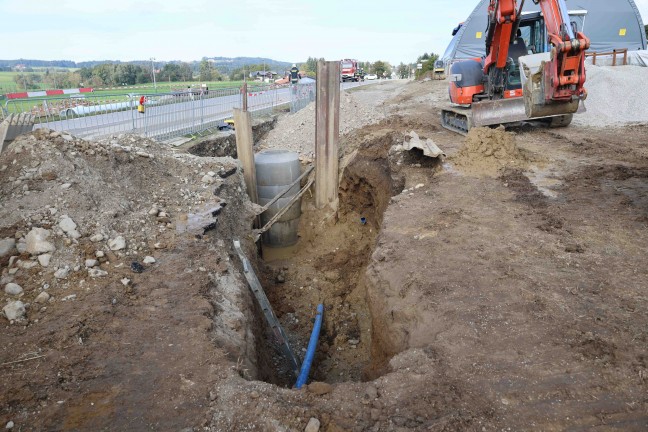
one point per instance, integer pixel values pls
(132, 110)
(245, 151)
(245, 97)
(327, 134)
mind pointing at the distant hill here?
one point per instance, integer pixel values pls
(228, 64)
(224, 64)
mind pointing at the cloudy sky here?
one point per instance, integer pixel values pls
(287, 30)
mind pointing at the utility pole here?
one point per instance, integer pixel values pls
(153, 70)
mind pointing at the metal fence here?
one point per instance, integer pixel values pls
(166, 115)
(301, 95)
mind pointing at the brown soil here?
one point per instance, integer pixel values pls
(487, 151)
(486, 293)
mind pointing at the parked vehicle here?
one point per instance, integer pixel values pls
(349, 70)
(371, 77)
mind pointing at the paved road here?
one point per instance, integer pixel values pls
(168, 116)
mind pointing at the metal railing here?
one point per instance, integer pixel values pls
(166, 115)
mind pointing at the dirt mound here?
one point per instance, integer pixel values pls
(487, 151)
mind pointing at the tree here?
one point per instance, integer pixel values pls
(186, 73)
(427, 63)
(381, 68)
(206, 71)
(28, 81)
(402, 71)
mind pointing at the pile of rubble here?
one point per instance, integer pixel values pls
(77, 214)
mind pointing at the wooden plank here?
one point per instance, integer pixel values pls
(264, 304)
(327, 134)
(245, 151)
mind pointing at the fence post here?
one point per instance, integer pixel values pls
(244, 103)
(245, 151)
(327, 132)
(130, 99)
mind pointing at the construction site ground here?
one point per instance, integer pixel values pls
(503, 288)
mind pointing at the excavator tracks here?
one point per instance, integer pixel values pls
(457, 120)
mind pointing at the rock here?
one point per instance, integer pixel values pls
(224, 173)
(13, 289)
(61, 273)
(21, 246)
(320, 388)
(371, 392)
(67, 224)
(95, 273)
(149, 260)
(42, 297)
(574, 248)
(137, 267)
(208, 179)
(419, 186)
(117, 243)
(45, 259)
(9, 425)
(100, 254)
(26, 264)
(67, 137)
(96, 238)
(66, 185)
(154, 211)
(15, 310)
(91, 263)
(7, 246)
(313, 425)
(125, 281)
(36, 242)
(280, 278)
(254, 394)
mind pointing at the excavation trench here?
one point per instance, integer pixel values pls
(328, 266)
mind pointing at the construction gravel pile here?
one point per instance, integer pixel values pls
(614, 96)
(296, 132)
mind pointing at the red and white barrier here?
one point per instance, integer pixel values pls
(43, 93)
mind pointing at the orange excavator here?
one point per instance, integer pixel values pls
(534, 69)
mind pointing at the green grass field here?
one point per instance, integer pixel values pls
(8, 85)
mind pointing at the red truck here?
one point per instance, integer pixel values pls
(350, 71)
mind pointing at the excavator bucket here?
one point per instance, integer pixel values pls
(500, 111)
(533, 86)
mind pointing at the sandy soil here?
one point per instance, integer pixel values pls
(501, 289)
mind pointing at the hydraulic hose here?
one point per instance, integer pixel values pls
(312, 346)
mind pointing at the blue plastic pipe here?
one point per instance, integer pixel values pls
(312, 345)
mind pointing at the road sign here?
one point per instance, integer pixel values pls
(419, 66)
